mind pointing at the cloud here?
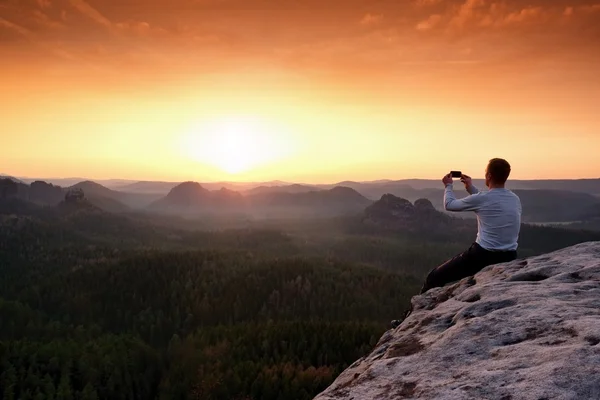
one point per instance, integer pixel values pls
(91, 12)
(524, 15)
(14, 27)
(139, 28)
(429, 23)
(427, 3)
(371, 19)
(467, 12)
(469, 15)
(44, 3)
(35, 41)
(43, 20)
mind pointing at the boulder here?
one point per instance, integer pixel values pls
(529, 329)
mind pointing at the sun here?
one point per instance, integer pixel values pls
(234, 144)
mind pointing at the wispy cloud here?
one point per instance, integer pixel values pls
(44, 20)
(34, 40)
(429, 23)
(371, 19)
(426, 3)
(91, 12)
(468, 11)
(44, 3)
(473, 14)
(14, 27)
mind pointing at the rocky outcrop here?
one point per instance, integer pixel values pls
(529, 329)
(41, 192)
(395, 213)
(74, 196)
(424, 205)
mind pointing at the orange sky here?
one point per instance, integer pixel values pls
(304, 90)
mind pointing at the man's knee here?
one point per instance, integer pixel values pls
(450, 271)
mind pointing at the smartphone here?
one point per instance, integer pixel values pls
(456, 174)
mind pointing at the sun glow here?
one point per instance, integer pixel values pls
(235, 144)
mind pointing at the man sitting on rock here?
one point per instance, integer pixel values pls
(498, 213)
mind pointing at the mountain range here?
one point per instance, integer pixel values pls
(371, 189)
(294, 200)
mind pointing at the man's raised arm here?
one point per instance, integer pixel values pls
(469, 203)
(451, 203)
(468, 182)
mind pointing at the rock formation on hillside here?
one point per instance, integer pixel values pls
(77, 201)
(41, 192)
(396, 213)
(74, 196)
(529, 329)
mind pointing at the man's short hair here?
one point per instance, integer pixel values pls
(499, 169)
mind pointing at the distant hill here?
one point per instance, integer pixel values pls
(191, 197)
(102, 197)
(93, 189)
(538, 205)
(408, 188)
(148, 187)
(45, 194)
(556, 205)
(12, 178)
(117, 200)
(295, 188)
(336, 201)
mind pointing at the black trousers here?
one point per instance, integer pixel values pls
(466, 264)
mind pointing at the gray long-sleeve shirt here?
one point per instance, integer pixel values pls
(498, 216)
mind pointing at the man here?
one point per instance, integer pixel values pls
(498, 213)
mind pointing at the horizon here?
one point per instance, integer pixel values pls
(242, 91)
(80, 179)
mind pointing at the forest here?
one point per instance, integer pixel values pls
(101, 306)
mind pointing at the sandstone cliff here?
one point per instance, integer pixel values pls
(529, 329)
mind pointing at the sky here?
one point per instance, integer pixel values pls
(298, 90)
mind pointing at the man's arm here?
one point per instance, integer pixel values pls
(468, 182)
(469, 203)
(472, 189)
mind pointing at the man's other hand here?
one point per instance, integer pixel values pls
(467, 181)
(447, 180)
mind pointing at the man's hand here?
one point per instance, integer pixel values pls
(447, 180)
(467, 181)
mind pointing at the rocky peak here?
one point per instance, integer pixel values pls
(74, 196)
(396, 213)
(390, 206)
(45, 193)
(529, 329)
(424, 205)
